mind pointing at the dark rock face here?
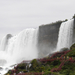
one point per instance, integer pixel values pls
(48, 36)
(1, 68)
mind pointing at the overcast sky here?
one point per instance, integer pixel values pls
(16, 15)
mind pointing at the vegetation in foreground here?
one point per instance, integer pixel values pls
(45, 68)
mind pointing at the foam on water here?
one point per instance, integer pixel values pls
(65, 35)
(15, 49)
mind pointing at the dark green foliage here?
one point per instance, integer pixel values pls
(47, 68)
(22, 66)
(48, 63)
(36, 66)
(73, 46)
(9, 72)
(66, 72)
(71, 53)
(55, 62)
(41, 68)
(47, 73)
(68, 68)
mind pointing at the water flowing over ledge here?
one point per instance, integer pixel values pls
(65, 35)
(14, 49)
(21, 47)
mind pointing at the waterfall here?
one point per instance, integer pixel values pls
(21, 47)
(65, 35)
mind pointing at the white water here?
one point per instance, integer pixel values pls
(65, 35)
(18, 48)
(24, 45)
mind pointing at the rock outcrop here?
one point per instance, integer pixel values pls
(48, 36)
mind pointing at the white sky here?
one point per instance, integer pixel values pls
(16, 15)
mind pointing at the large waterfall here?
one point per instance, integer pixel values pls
(65, 35)
(18, 48)
(15, 49)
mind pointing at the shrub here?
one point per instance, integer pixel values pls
(22, 66)
(55, 62)
(35, 66)
(72, 47)
(71, 53)
(47, 73)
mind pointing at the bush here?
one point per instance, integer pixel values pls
(22, 66)
(55, 62)
(9, 72)
(72, 47)
(47, 68)
(41, 68)
(35, 66)
(68, 69)
(71, 53)
(47, 73)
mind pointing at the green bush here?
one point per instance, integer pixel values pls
(41, 68)
(71, 53)
(47, 68)
(73, 46)
(9, 72)
(68, 69)
(22, 66)
(36, 66)
(47, 73)
(55, 62)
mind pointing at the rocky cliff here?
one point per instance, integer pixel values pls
(48, 36)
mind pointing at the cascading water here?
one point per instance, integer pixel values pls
(24, 45)
(65, 35)
(18, 48)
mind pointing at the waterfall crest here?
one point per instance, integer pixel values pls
(65, 35)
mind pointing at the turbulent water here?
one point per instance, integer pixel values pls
(65, 35)
(18, 48)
